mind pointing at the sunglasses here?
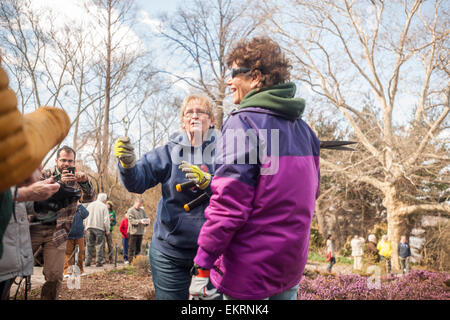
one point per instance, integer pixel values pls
(236, 71)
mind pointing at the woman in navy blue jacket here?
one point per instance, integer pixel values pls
(174, 242)
(76, 237)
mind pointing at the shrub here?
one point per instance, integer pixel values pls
(316, 240)
(141, 265)
(436, 251)
(346, 250)
(417, 285)
(379, 230)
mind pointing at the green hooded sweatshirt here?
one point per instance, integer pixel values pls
(279, 98)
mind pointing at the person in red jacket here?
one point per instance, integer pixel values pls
(124, 231)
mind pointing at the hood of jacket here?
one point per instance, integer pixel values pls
(182, 139)
(279, 98)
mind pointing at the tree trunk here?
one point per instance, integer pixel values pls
(219, 117)
(219, 103)
(105, 135)
(320, 214)
(77, 121)
(322, 223)
(395, 222)
(75, 133)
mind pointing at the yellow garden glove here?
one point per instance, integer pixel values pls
(124, 151)
(194, 173)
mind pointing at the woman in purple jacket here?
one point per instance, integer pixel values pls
(254, 243)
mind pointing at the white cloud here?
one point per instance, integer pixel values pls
(83, 19)
(155, 25)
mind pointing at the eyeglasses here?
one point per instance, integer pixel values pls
(190, 113)
(236, 71)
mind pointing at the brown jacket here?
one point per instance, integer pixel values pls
(65, 215)
(372, 252)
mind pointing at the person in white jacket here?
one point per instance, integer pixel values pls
(357, 252)
(96, 226)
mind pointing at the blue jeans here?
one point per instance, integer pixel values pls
(171, 276)
(290, 294)
(125, 248)
(387, 262)
(332, 261)
(5, 287)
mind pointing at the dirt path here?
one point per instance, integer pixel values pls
(322, 267)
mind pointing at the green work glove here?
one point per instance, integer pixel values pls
(194, 173)
(124, 151)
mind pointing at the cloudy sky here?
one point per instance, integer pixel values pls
(148, 11)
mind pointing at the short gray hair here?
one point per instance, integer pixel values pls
(102, 197)
(204, 101)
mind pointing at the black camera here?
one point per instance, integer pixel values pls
(61, 199)
(58, 177)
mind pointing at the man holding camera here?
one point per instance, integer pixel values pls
(53, 218)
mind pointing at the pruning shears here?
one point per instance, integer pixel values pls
(337, 145)
(197, 201)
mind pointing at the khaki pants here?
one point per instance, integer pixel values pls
(95, 240)
(404, 264)
(41, 235)
(357, 262)
(109, 246)
(69, 260)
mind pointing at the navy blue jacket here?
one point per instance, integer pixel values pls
(77, 230)
(403, 250)
(175, 231)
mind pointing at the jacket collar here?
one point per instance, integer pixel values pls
(183, 139)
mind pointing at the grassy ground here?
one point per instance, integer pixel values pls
(317, 257)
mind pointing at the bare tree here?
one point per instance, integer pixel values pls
(398, 51)
(39, 55)
(22, 42)
(95, 68)
(344, 207)
(202, 32)
(85, 92)
(37, 52)
(115, 62)
(159, 128)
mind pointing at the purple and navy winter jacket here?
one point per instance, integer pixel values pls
(175, 231)
(256, 235)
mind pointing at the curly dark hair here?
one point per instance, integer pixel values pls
(263, 54)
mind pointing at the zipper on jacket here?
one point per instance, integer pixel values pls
(216, 268)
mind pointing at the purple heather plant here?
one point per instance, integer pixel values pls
(417, 285)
